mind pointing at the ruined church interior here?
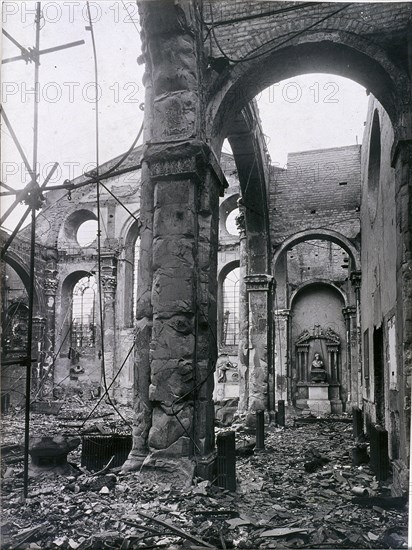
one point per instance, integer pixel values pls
(204, 344)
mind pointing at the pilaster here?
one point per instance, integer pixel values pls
(50, 286)
(243, 350)
(356, 280)
(352, 354)
(281, 354)
(259, 288)
(109, 284)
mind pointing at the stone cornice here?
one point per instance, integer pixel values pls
(259, 282)
(349, 311)
(356, 278)
(181, 160)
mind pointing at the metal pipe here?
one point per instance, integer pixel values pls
(33, 200)
(29, 351)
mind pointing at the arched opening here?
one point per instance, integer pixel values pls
(319, 374)
(130, 262)
(14, 331)
(333, 52)
(231, 226)
(77, 320)
(78, 364)
(86, 233)
(374, 165)
(79, 229)
(228, 310)
(352, 254)
(83, 320)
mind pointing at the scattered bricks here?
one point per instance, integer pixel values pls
(226, 460)
(46, 407)
(50, 453)
(379, 459)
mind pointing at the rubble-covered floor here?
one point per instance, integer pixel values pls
(278, 504)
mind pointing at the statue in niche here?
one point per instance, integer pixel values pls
(317, 371)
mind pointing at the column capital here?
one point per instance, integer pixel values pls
(183, 160)
(356, 278)
(259, 282)
(349, 311)
(282, 313)
(109, 272)
(50, 282)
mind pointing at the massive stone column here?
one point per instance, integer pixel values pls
(243, 349)
(176, 332)
(259, 288)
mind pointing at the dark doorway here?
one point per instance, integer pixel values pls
(379, 379)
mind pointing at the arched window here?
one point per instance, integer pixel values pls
(374, 168)
(130, 262)
(83, 331)
(230, 327)
(136, 257)
(15, 329)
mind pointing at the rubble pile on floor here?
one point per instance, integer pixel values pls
(302, 491)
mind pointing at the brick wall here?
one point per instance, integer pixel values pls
(320, 188)
(316, 260)
(241, 37)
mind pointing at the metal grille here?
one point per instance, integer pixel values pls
(97, 450)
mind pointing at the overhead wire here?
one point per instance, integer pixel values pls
(277, 46)
(99, 258)
(260, 15)
(98, 181)
(111, 383)
(131, 18)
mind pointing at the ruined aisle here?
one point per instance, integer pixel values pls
(297, 493)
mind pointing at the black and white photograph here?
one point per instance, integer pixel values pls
(206, 274)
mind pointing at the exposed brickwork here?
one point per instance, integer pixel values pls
(317, 260)
(241, 38)
(308, 194)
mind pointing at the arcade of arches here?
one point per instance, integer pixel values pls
(289, 303)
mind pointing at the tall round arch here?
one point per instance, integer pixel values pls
(319, 234)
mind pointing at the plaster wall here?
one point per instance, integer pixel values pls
(379, 289)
